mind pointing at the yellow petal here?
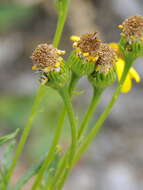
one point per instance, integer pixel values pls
(57, 64)
(85, 54)
(114, 45)
(34, 67)
(127, 85)
(134, 75)
(61, 52)
(120, 26)
(75, 38)
(120, 68)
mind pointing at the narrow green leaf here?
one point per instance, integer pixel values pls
(28, 175)
(34, 170)
(7, 138)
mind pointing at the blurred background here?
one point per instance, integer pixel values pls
(115, 159)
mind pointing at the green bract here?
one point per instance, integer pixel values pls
(80, 66)
(60, 78)
(98, 79)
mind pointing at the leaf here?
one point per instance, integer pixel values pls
(8, 155)
(34, 170)
(7, 138)
(28, 175)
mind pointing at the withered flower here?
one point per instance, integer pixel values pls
(47, 58)
(132, 29)
(106, 60)
(104, 73)
(87, 46)
(49, 62)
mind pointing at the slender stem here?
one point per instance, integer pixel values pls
(58, 131)
(67, 159)
(27, 128)
(61, 21)
(67, 101)
(74, 80)
(50, 155)
(72, 85)
(59, 171)
(97, 92)
(96, 128)
(93, 105)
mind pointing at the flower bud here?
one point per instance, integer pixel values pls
(83, 58)
(104, 73)
(50, 64)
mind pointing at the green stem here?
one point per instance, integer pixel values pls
(96, 128)
(93, 105)
(74, 80)
(50, 155)
(58, 131)
(67, 101)
(97, 92)
(61, 22)
(27, 128)
(70, 154)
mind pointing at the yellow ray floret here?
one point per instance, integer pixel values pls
(75, 38)
(116, 48)
(131, 75)
(34, 67)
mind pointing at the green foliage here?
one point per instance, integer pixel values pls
(7, 157)
(7, 138)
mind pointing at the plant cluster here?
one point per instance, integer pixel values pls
(102, 64)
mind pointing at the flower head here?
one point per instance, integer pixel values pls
(47, 58)
(87, 46)
(132, 74)
(104, 73)
(132, 29)
(49, 62)
(106, 60)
